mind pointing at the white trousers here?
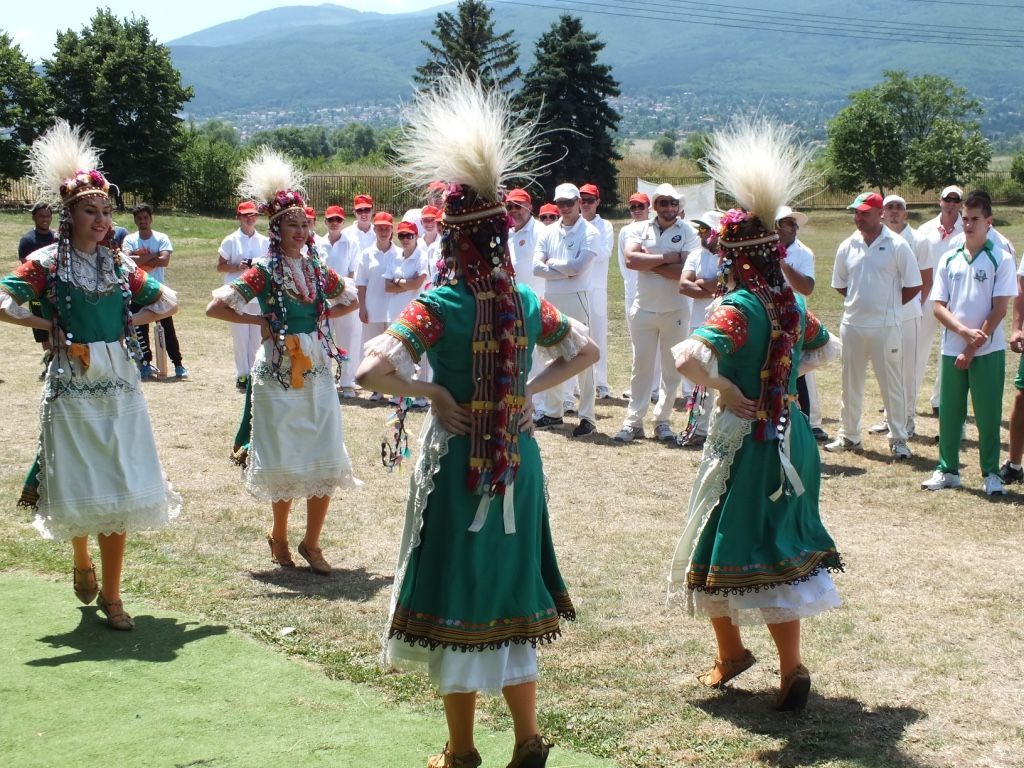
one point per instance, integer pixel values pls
(813, 400)
(577, 306)
(654, 332)
(925, 341)
(599, 330)
(911, 330)
(883, 348)
(348, 334)
(246, 341)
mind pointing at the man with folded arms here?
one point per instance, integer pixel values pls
(590, 200)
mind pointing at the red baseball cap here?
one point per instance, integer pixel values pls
(430, 212)
(866, 201)
(589, 189)
(639, 197)
(334, 211)
(246, 208)
(548, 208)
(519, 196)
(383, 217)
(436, 186)
(362, 200)
(310, 213)
(405, 226)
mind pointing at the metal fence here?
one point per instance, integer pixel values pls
(391, 194)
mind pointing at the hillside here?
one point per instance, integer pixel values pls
(343, 63)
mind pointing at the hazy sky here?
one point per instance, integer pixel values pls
(34, 27)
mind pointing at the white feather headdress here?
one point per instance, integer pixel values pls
(267, 176)
(485, 145)
(60, 162)
(760, 164)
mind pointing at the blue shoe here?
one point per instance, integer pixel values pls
(180, 372)
(147, 371)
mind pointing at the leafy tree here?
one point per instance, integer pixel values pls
(865, 144)
(1017, 168)
(919, 102)
(568, 91)
(664, 146)
(118, 82)
(696, 147)
(308, 142)
(353, 142)
(24, 111)
(951, 152)
(467, 43)
(209, 165)
(220, 130)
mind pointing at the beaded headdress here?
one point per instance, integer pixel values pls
(274, 183)
(761, 167)
(483, 149)
(64, 168)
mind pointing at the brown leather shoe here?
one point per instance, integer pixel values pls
(315, 557)
(446, 759)
(279, 551)
(117, 617)
(532, 753)
(84, 583)
(794, 690)
(726, 669)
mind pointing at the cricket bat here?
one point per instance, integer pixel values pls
(160, 353)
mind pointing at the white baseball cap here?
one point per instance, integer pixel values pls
(567, 192)
(667, 190)
(951, 190)
(894, 199)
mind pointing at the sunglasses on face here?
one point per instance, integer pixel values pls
(951, 199)
(565, 203)
(363, 210)
(667, 203)
(428, 221)
(637, 207)
(703, 228)
(548, 217)
(406, 236)
(335, 218)
(588, 200)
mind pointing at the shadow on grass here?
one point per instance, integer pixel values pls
(829, 730)
(154, 640)
(355, 584)
(840, 470)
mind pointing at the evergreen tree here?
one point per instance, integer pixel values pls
(114, 79)
(23, 108)
(466, 43)
(568, 91)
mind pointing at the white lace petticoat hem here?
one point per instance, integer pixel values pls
(782, 603)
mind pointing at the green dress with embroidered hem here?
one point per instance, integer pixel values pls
(475, 590)
(750, 543)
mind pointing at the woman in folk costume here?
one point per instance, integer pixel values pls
(754, 549)
(97, 470)
(290, 441)
(477, 584)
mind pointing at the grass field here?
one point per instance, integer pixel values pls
(923, 666)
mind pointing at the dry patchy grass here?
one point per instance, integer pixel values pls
(921, 667)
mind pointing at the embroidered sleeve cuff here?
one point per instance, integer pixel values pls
(232, 297)
(394, 350)
(815, 358)
(571, 343)
(696, 348)
(12, 308)
(348, 293)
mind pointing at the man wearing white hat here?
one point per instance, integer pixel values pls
(565, 252)
(659, 317)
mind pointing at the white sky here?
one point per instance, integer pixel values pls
(34, 27)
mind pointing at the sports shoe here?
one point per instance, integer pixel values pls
(585, 428)
(569, 407)
(993, 485)
(375, 397)
(147, 372)
(693, 441)
(348, 392)
(841, 444)
(940, 480)
(654, 396)
(819, 434)
(663, 433)
(900, 450)
(628, 434)
(394, 400)
(604, 393)
(241, 382)
(419, 403)
(880, 428)
(180, 372)
(547, 421)
(1009, 475)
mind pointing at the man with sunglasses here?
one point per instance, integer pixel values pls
(238, 251)
(590, 200)
(660, 315)
(548, 214)
(341, 256)
(565, 253)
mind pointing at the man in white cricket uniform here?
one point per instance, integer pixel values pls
(522, 240)
(639, 212)
(660, 315)
(361, 236)
(590, 200)
(876, 273)
(341, 256)
(435, 199)
(370, 280)
(239, 251)
(563, 257)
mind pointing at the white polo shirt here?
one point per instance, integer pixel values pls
(931, 244)
(339, 255)
(370, 273)
(874, 277)
(704, 264)
(599, 271)
(628, 275)
(522, 243)
(396, 265)
(912, 308)
(564, 256)
(967, 287)
(655, 293)
(432, 253)
(361, 240)
(236, 247)
(800, 258)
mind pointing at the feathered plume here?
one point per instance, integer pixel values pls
(759, 164)
(485, 144)
(59, 155)
(266, 173)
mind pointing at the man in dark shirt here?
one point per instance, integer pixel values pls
(38, 237)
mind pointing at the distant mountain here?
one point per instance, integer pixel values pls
(325, 63)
